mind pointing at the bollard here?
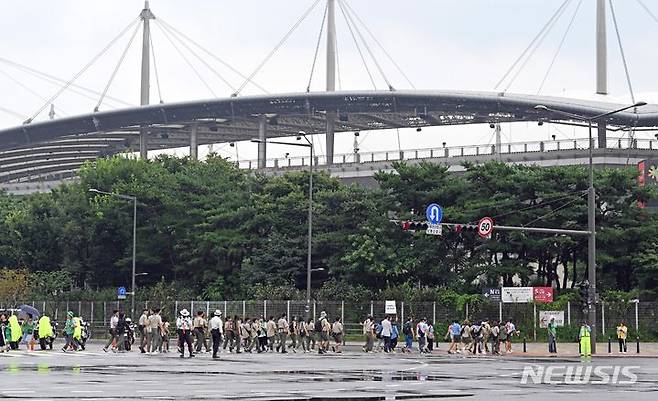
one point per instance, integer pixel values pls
(637, 343)
(525, 348)
(609, 345)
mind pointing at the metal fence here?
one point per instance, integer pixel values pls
(640, 317)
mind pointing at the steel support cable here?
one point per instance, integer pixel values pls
(212, 55)
(552, 212)
(82, 71)
(534, 49)
(541, 32)
(554, 199)
(12, 113)
(378, 43)
(116, 68)
(564, 37)
(365, 44)
(204, 62)
(187, 61)
(338, 76)
(621, 50)
(652, 15)
(358, 48)
(317, 49)
(155, 69)
(55, 80)
(276, 48)
(28, 89)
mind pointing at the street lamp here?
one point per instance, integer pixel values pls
(591, 226)
(309, 145)
(134, 200)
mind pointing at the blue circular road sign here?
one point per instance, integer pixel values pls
(434, 214)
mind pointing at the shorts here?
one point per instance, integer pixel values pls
(324, 336)
(338, 337)
(455, 337)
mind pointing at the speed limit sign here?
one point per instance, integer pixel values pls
(485, 227)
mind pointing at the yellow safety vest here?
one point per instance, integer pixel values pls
(77, 330)
(45, 329)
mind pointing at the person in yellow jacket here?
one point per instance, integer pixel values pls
(16, 332)
(585, 337)
(77, 332)
(45, 332)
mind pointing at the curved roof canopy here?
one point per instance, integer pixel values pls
(237, 118)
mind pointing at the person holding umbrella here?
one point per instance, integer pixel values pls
(28, 332)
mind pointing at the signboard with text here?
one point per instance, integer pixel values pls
(491, 294)
(546, 315)
(390, 308)
(543, 294)
(517, 294)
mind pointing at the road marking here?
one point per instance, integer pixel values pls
(87, 391)
(18, 391)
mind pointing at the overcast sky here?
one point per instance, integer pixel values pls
(465, 45)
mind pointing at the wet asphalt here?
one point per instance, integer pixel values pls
(96, 375)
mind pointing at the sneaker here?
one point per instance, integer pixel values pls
(104, 349)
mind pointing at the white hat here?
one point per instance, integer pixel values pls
(217, 312)
(323, 313)
(184, 312)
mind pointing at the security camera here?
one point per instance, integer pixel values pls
(356, 133)
(418, 129)
(299, 138)
(656, 136)
(232, 144)
(540, 123)
(553, 136)
(444, 144)
(492, 125)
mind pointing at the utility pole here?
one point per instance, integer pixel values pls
(146, 15)
(601, 64)
(331, 75)
(498, 141)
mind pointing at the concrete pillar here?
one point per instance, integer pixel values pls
(601, 50)
(145, 87)
(262, 146)
(194, 143)
(602, 135)
(331, 76)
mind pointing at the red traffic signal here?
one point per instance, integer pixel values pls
(406, 225)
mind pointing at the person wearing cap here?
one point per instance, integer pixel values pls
(184, 327)
(69, 329)
(216, 331)
(324, 333)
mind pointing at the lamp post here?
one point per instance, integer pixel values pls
(591, 208)
(309, 145)
(134, 200)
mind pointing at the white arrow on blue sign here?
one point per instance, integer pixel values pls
(121, 291)
(434, 214)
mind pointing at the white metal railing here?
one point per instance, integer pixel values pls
(456, 152)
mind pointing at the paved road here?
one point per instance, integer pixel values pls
(95, 375)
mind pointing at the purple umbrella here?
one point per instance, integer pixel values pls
(25, 309)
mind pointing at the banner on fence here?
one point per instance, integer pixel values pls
(389, 308)
(517, 294)
(546, 315)
(543, 294)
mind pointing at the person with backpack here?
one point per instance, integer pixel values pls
(337, 332)
(368, 333)
(486, 334)
(421, 330)
(386, 333)
(271, 333)
(294, 334)
(310, 335)
(494, 338)
(185, 327)
(301, 333)
(430, 337)
(476, 335)
(408, 331)
(395, 334)
(467, 340)
(324, 328)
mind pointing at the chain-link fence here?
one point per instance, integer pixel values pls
(640, 317)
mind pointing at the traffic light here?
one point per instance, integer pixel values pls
(406, 225)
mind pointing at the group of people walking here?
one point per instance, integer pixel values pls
(236, 334)
(29, 332)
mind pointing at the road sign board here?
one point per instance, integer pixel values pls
(434, 214)
(485, 227)
(491, 294)
(389, 308)
(121, 293)
(434, 229)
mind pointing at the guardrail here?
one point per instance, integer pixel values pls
(457, 152)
